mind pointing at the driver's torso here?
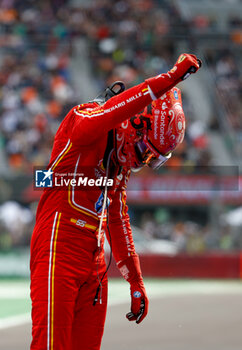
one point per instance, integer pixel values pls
(81, 203)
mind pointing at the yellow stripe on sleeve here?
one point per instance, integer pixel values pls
(62, 156)
(89, 113)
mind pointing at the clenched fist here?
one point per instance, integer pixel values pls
(185, 66)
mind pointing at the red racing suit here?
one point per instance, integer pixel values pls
(65, 259)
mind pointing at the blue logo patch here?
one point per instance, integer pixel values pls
(137, 294)
(43, 178)
(176, 94)
(99, 203)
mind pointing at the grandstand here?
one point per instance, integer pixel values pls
(59, 53)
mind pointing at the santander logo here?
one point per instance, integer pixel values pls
(162, 128)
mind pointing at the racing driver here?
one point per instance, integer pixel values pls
(110, 136)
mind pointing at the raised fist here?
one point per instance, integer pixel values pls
(185, 66)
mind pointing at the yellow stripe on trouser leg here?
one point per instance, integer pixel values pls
(52, 283)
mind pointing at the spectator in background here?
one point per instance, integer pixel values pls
(127, 40)
(35, 79)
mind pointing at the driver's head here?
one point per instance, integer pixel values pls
(150, 136)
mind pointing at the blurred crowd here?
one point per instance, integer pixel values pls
(35, 79)
(128, 40)
(16, 225)
(225, 65)
(190, 235)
